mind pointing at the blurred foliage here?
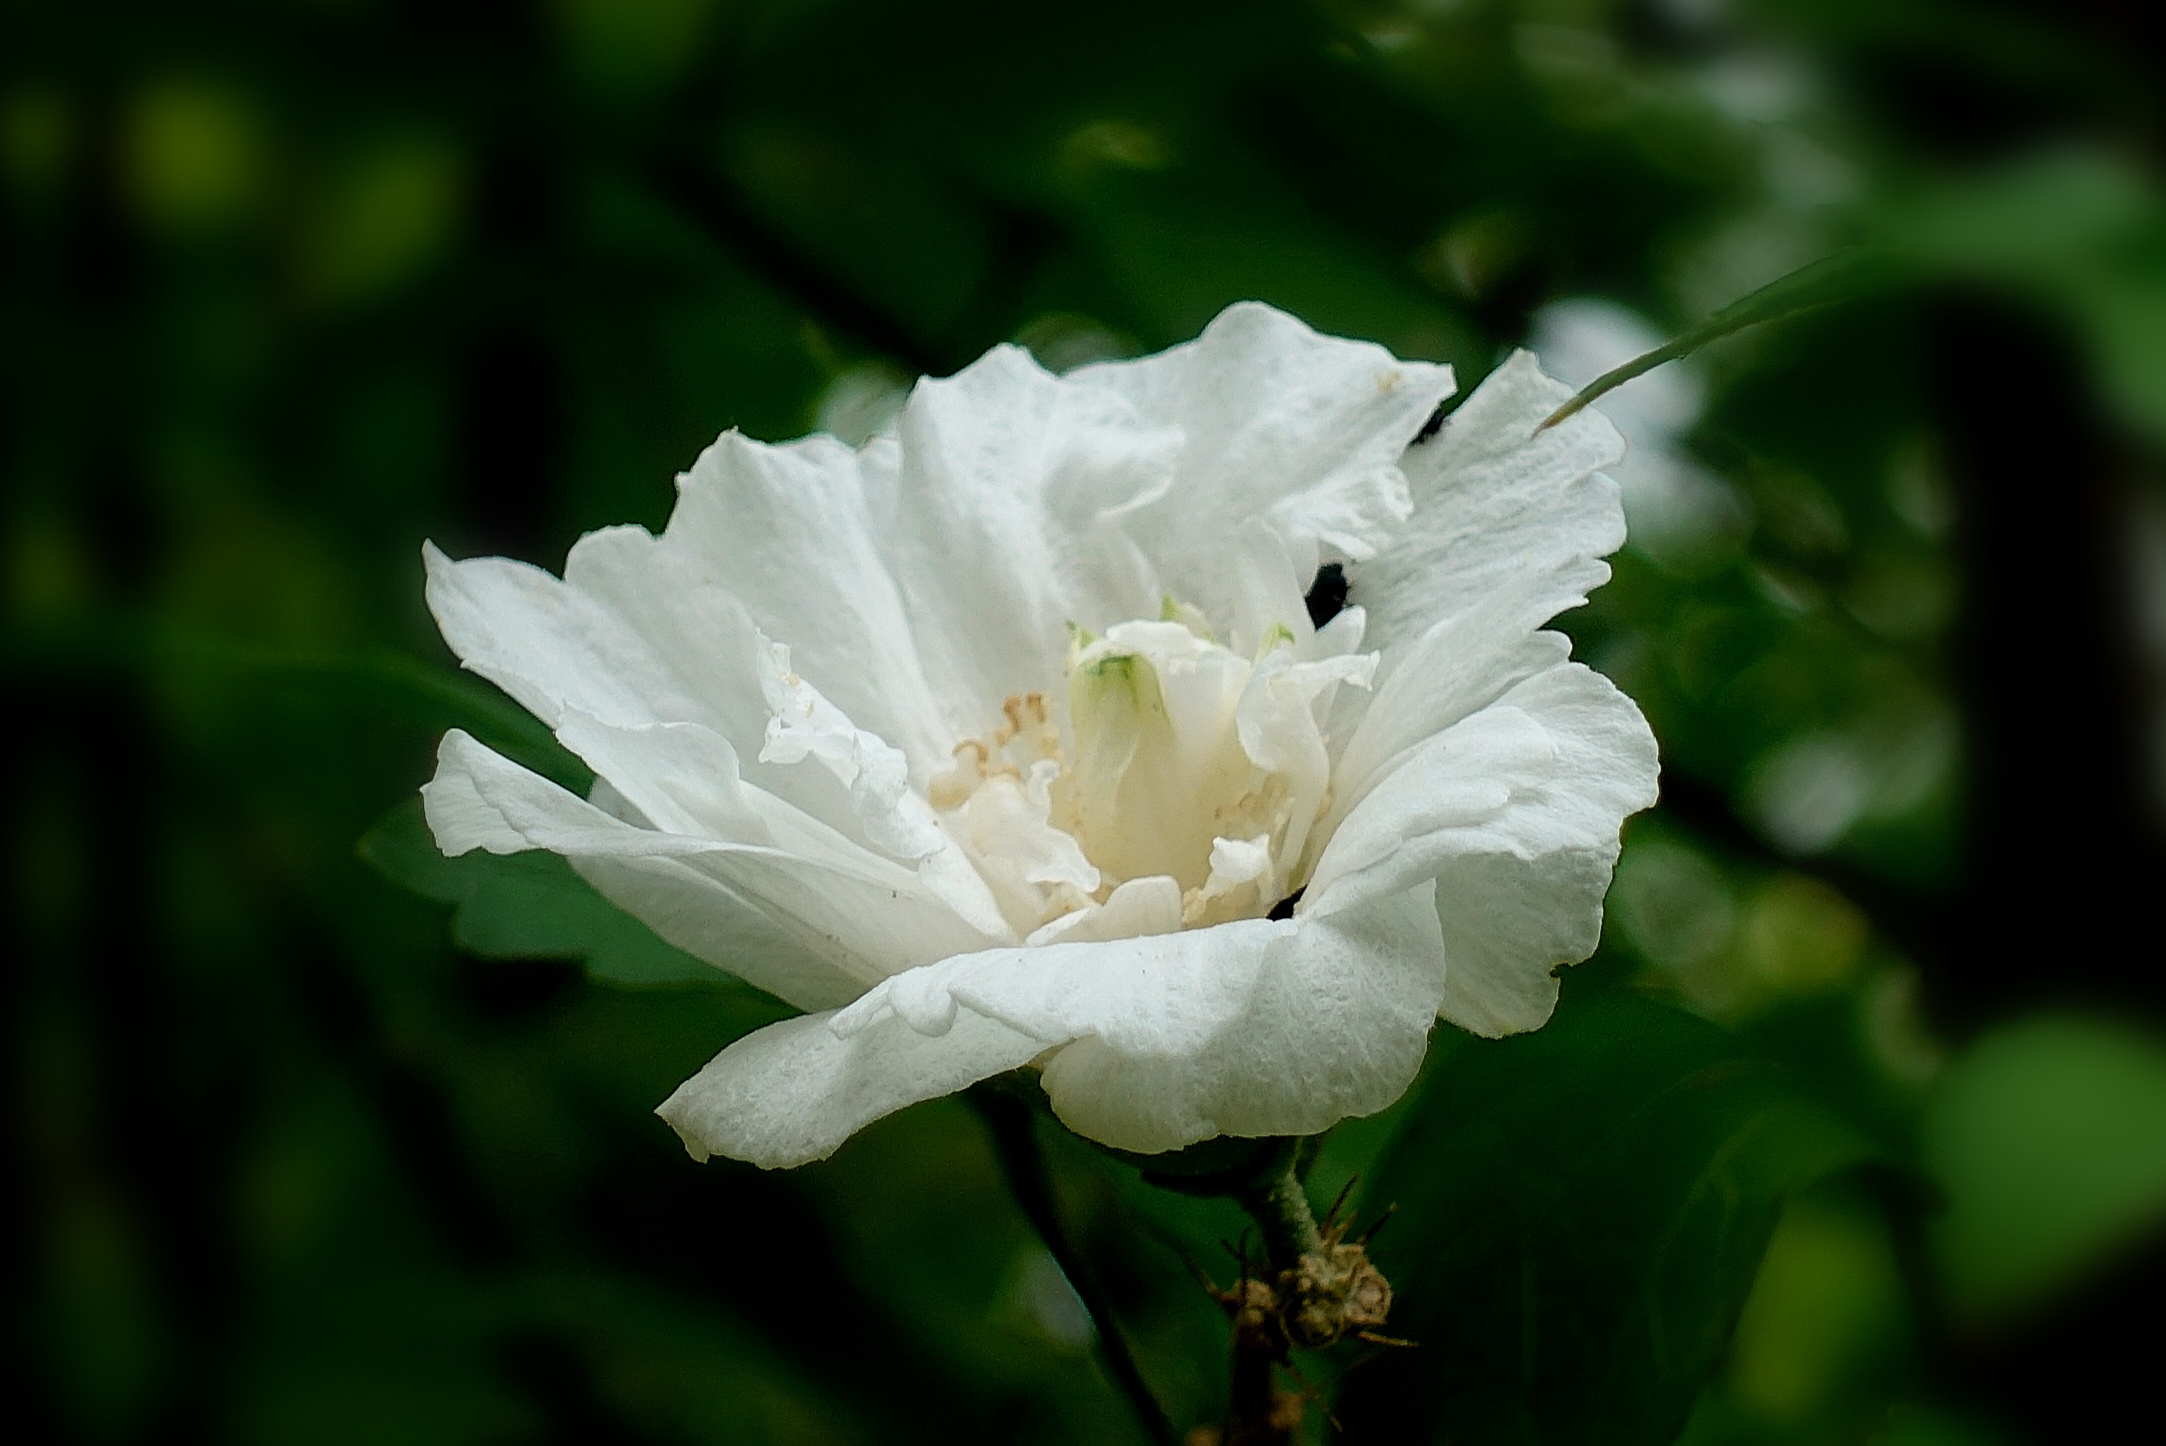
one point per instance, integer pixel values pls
(289, 285)
(1584, 1208)
(2049, 1137)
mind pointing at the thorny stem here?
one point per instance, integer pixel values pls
(1023, 1162)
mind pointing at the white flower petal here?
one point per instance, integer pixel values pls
(1262, 1027)
(1509, 922)
(1269, 590)
(1457, 666)
(999, 503)
(1034, 869)
(551, 646)
(682, 777)
(789, 531)
(1340, 636)
(1279, 732)
(803, 724)
(632, 638)
(1237, 861)
(652, 877)
(1559, 762)
(571, 652)
(1281, 423)
(1155, 756)
(481, 799)
(1135, 910)
(794, 1091)
(1239, 885)
(855, 919)
(1256, 1028)
(1496, 501)
(686, 615)
(1524, 796)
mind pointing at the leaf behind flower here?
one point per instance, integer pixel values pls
(526, 906)
(1581, 1212)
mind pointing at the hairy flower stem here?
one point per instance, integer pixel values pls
(1258, 1411)
(1280, 1206)
(1317, 1288)
(1008, 1119)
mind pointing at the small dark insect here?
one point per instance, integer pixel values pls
(1327, 594)
(1284, 908)
(1430, 428)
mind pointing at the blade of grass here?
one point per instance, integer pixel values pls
(1844, 276)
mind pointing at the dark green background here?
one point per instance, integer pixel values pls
(289, 287)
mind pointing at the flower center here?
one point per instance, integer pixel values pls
(1177, 759)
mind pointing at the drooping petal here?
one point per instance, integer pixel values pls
(660, 883)
(1496, 500)
(792, 1092)
(1514, 810)
(1304, 431)
(640, 637)
(852, 919)
(1263, 1027)
(1321, 1022)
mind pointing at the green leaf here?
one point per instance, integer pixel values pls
(526, 906)
(2049, 1138)
(1581, 1214)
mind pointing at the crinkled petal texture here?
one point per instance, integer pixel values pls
(771, 691)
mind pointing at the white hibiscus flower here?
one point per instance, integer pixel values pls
(1007, 739)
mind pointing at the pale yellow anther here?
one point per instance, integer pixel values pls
(952, 786)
